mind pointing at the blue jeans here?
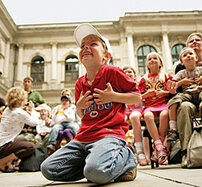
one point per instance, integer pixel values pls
(74, 127)
(100, 162)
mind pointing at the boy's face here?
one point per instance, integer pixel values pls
(44, 114)
(92, 52)
(130, 73)
(27, 83)
(195, 42)
(188, 59)
(65, 103)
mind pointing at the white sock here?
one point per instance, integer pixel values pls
(172, 125)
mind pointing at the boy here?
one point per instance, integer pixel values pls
(33, 96)
(63, 118)
(191, 81)
(98, 151)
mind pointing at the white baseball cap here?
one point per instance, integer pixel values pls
(86, 29)
(43, 106)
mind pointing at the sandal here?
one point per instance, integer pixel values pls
(162, 156)
(142, 161)
(154, 156)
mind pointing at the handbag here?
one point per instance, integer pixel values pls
(194, 149)
(33, 162)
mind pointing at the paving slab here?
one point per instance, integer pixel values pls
(166, 176)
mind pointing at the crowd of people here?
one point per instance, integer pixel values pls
(94, 129)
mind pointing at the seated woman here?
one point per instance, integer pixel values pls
(12, 122)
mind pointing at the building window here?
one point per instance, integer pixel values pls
(142, 53)
(37, 69)
(71, 68)
(176, 51)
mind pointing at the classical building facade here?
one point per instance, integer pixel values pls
(49, 54)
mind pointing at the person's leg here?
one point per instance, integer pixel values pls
(19, 148)
(151, 126)
(163, 125)
(184, 126)
(159, 153)
(45, 139)
(54, 134)
(38, 140)
(146, 149)
(184, 123)
(6, 160)
(200, 106)
(173, 104)
(136, 125)
(74, 127)
(108, 159)
(66, 164)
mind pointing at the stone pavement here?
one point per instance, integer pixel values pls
(170, 175)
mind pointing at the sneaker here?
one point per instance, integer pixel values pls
(184, 161)
(51, 147)
(127, 176)
(154, 156)
(172, 135)
(162, 156)
(142, 161)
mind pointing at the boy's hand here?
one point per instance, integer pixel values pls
(198, 80)
(103, 96)
(188, 81)
(172, 86)
(151, 93)
(85, 100)
(31, 105)
(162, 93)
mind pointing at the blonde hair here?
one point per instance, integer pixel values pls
(193, 34)
(67, 90)
(16, 97)
(129, 67)
(184, 49)
(161, 72)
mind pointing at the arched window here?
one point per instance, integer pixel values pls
(71, 68)
(37, 69)
(176, 51)
(142, 53)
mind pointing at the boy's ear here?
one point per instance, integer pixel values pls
(181, 62)
(107, 56)
(196, 58)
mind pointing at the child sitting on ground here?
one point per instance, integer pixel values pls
(190, 79)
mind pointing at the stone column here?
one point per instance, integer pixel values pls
(131, 52)
(167, 53)
(7, 57)
(19, 77)
(1, 57)
(54, 65)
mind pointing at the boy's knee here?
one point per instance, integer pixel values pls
(97, 175)
(45, 170)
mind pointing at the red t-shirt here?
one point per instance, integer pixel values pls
(154, 83)
(106, 119)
